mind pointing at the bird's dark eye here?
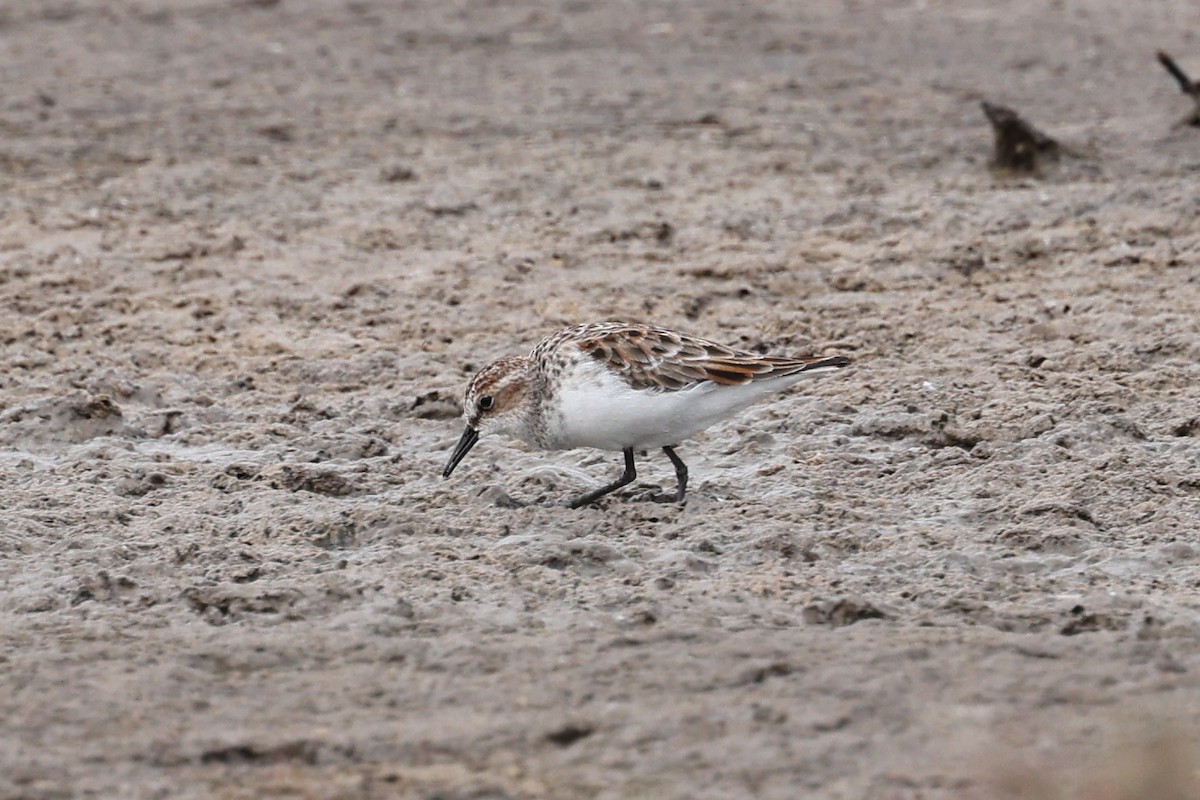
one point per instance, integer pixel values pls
(486, 402)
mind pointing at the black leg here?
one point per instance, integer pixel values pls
(680, 472)
(626, 477)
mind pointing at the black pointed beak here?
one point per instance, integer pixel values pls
(469, 438)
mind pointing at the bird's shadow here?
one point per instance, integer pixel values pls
(559, 496)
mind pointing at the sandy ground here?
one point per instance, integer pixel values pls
(250, 252)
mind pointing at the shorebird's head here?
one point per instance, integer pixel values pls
(495, 402)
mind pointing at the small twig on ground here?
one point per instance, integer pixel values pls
(1018, 144)
(1188, 86)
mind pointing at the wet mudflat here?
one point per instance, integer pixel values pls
(250, 253)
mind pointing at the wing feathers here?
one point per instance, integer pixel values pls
(656, 358)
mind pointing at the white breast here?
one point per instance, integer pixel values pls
(598, 409)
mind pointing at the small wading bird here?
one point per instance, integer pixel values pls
(622, 386)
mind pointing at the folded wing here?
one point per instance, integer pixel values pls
(655, 358)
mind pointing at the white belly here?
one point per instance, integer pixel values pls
(598, 409)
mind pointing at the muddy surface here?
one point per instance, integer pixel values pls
(250, 252)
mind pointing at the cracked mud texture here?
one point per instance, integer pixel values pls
(250, 252)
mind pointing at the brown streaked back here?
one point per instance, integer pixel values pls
(649, 357)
